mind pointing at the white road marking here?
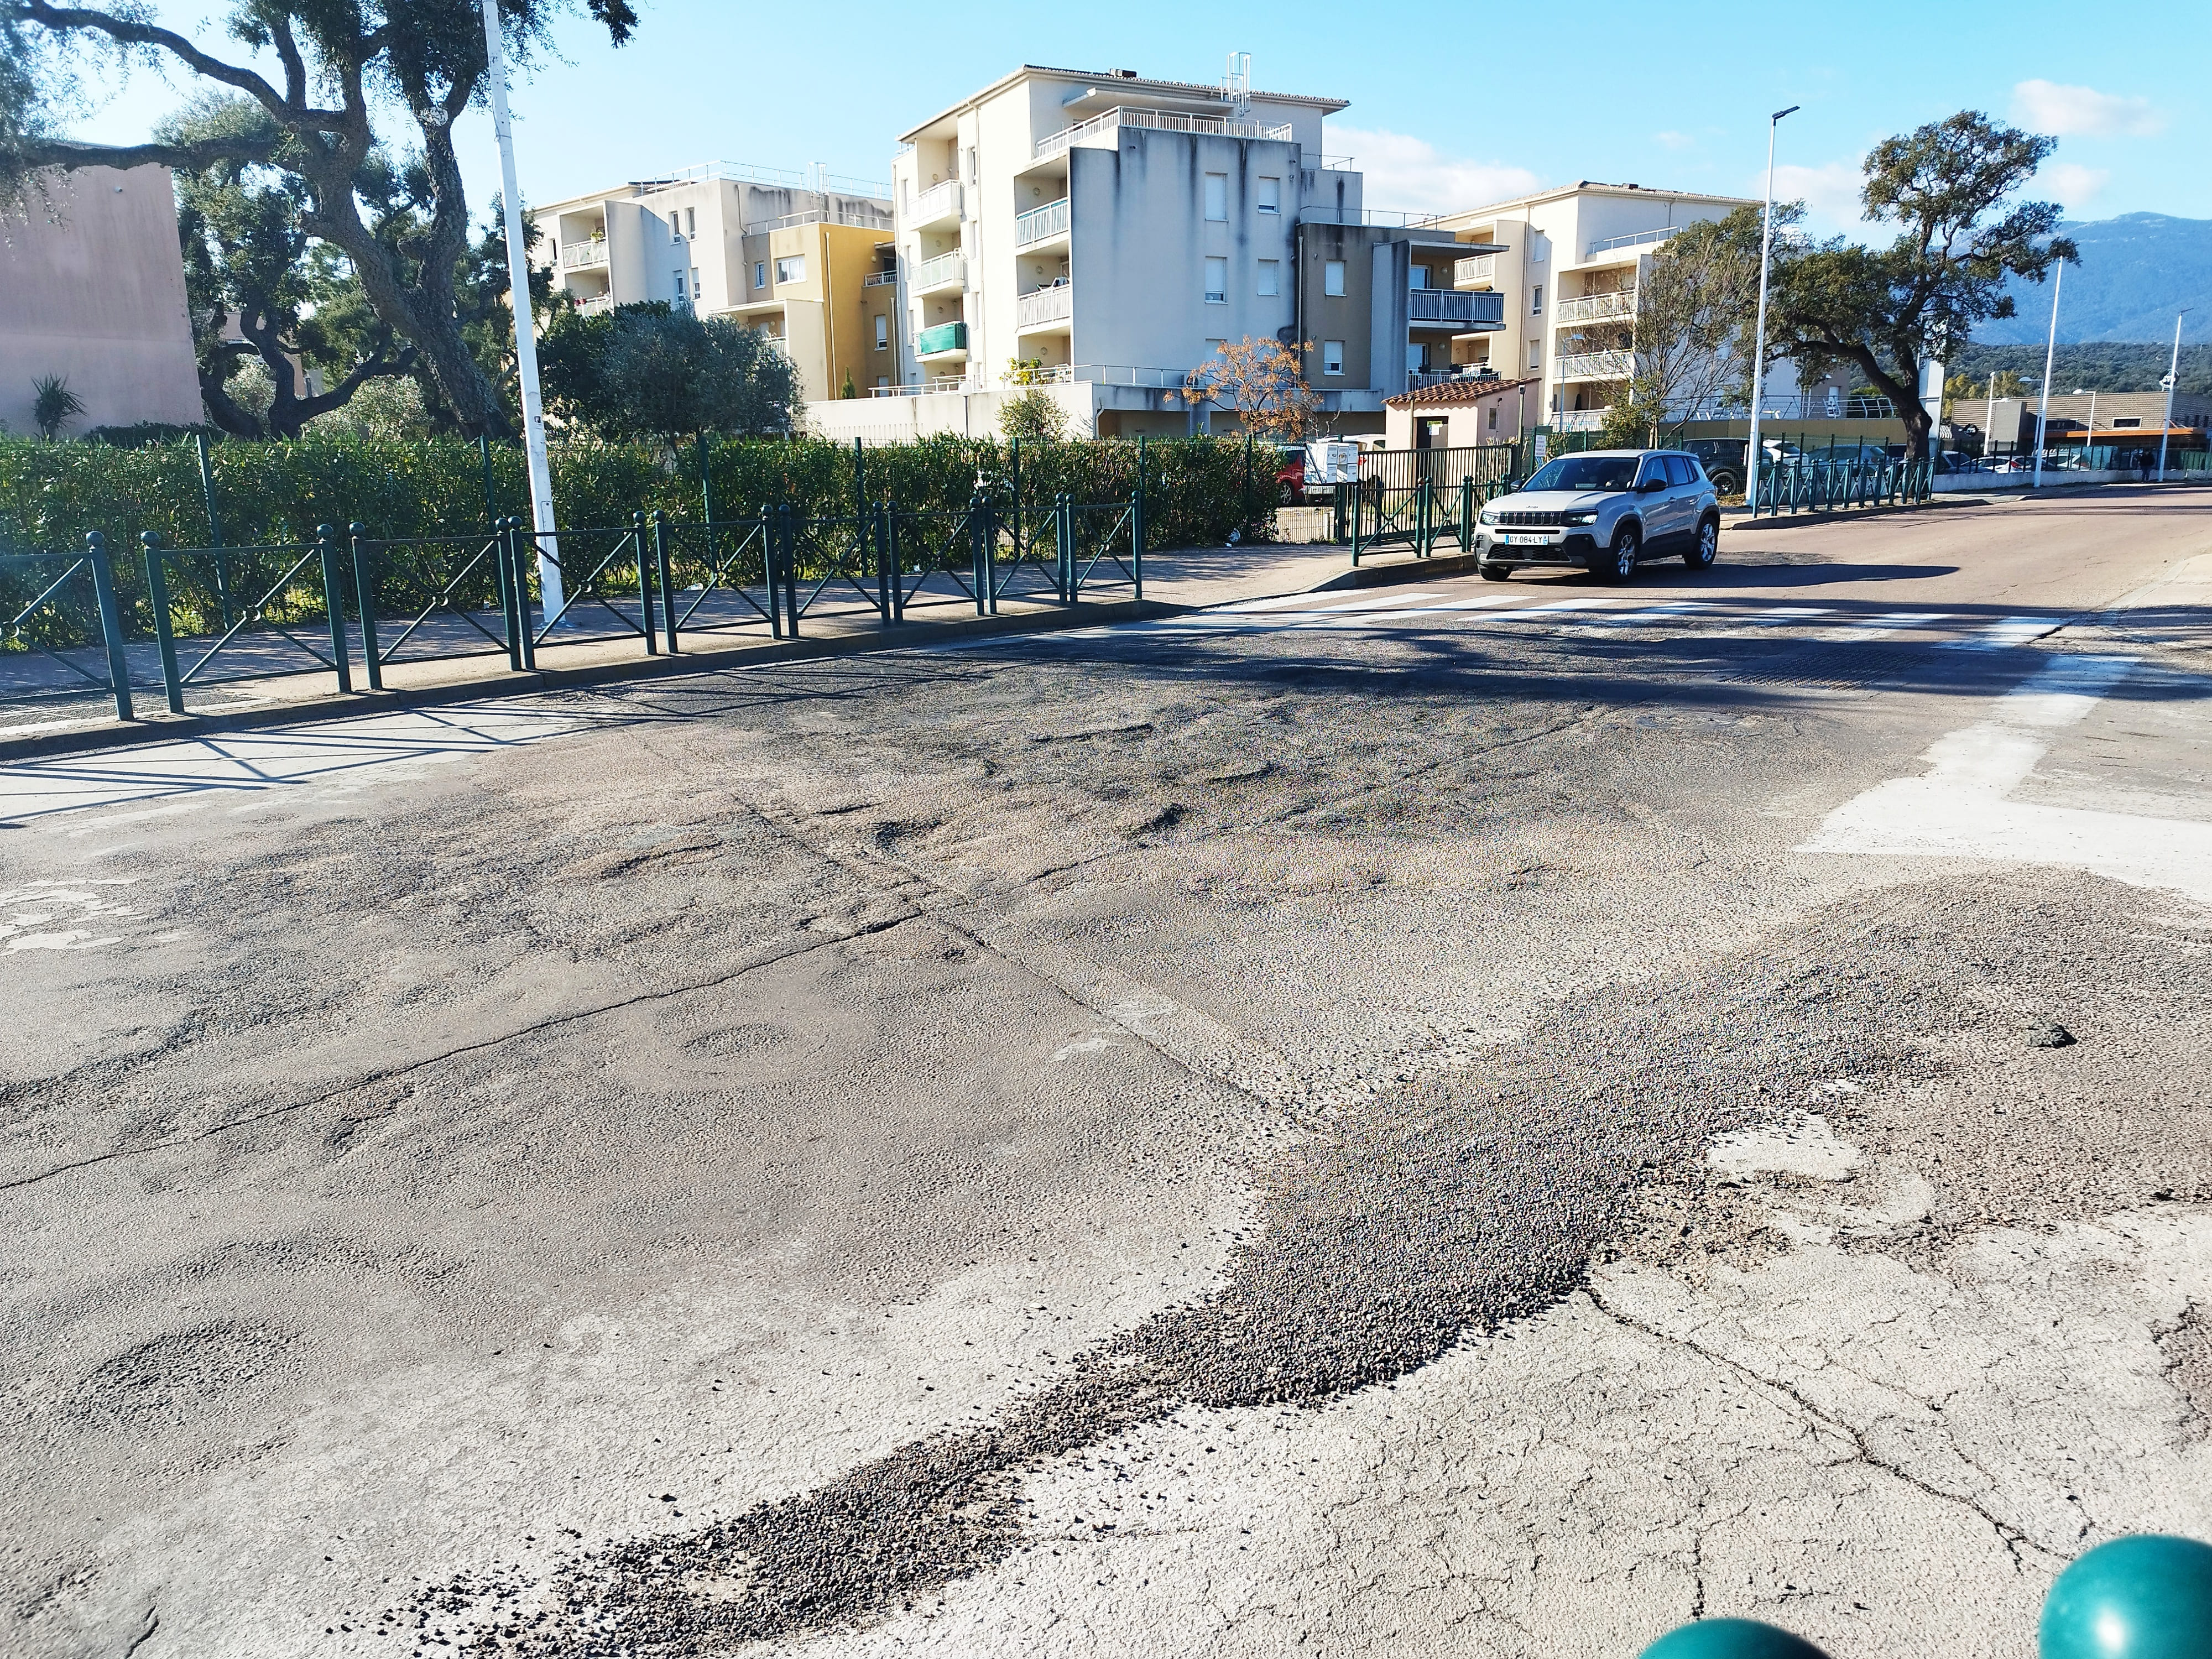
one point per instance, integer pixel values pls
(1373, 602)
(1682, 609)
(1960, 808)
(1884, 625)
(2009, 632)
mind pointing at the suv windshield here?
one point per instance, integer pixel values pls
(1585, 473)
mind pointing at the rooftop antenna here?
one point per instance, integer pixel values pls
(1236, 84)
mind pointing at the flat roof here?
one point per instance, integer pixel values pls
(1596, 187)
(1184, 91)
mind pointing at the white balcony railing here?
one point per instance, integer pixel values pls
(1578, 420)
(946, 271)
(1482, 267)
(1040, 224)
(582, 256)
(595, 305)
(1045, 306)
(1596, 308)
(879, 279)
(940, 201)
(1642, 238)
(1159, 121)
(1596, 366)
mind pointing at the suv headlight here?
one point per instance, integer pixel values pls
(1488, 515)
(1579, 518)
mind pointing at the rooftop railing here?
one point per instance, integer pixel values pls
(858, 214)
(1159, 121)
(746, 173)
(1642, 238)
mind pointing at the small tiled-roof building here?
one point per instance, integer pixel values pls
(1464, 410)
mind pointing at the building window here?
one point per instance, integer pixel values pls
(1331, 277)
(883, 331)
(1271, 278)
(2125, 420)
(760, 274)
(1332, 356)
(1536, 301)
(883, 382)
(1216, 281)
(696, 289)
(1417, 276)
(792, 268)
(1535, 354)
(1494, 417)
(1270, 196)
(692, 223)
(1216, 196)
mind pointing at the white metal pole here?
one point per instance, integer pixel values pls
(1759, 342)
(1990, 424)
(2042, 404)
(525, 331)
(2172, 378)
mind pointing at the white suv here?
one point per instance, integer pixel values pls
(1603, 511)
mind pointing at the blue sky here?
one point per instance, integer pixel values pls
(1450, 106)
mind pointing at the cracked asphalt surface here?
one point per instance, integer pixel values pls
(1349, 1133)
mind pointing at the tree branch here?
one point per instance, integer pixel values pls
(68, 153)
(76, 20)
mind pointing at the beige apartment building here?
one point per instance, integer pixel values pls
(805, 258)
(1567, 262)
(92, 290)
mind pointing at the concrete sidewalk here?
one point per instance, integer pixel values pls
(267, 694)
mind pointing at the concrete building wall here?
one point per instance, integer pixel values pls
(96, 295)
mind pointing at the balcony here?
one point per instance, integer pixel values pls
(1597, 307)
(582, 256)
(1578, 420)
(1446, 307)
(1047, 307)
(946, 271)
(1596, 366)
(1042, 224)
(1619, 244)
(880, 279)
(938, 205)
(943, 341)
(598, 306)
(1468, 273)
(1101, 126)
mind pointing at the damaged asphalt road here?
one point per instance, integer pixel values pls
(1373, 1137)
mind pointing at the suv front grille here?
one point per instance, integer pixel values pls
(1533, 520)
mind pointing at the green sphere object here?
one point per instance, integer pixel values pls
(1731, 1638)
(2145, 1596)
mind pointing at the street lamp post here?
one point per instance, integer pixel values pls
(2042, 404)
(2173, 378)
(1758, 344)
(525, 332)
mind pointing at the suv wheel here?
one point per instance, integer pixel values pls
(1727, 481)
(1707, 547)
(1617, 562)
(1494, 573)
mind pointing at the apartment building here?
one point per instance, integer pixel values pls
(804, 256)
(1103, 232)
(1566, 264)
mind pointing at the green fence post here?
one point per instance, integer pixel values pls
(214, 527)
(1359, 489)
(516, 541)
(1063, 543)
(645, 621)
(502, 563)
(157, 595)
(1137, 523)
(661, 575)
(334, 604)
(110, 624)
(1466, 512)
(364, 589)
(893, 568)
(787, 562)
(1423, 500)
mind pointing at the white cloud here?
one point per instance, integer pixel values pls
(2075, 187)
(1410, 174)
(1829, 193)
(2082, 112)
(1674, 140)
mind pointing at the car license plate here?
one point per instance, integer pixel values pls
(1525, 541)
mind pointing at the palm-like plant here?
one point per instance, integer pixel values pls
(52, 402)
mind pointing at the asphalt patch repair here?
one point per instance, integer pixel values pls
(1446, 1213)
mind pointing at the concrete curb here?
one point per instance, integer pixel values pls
(165, 727)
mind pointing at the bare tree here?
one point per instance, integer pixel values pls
(1260, 381)
(1692, 348)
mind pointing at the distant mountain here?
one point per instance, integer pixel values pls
(2136, 272)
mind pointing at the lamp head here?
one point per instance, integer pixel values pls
(1779, 113)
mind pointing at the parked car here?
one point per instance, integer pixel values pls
(1605, 511)
(1722, 459)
